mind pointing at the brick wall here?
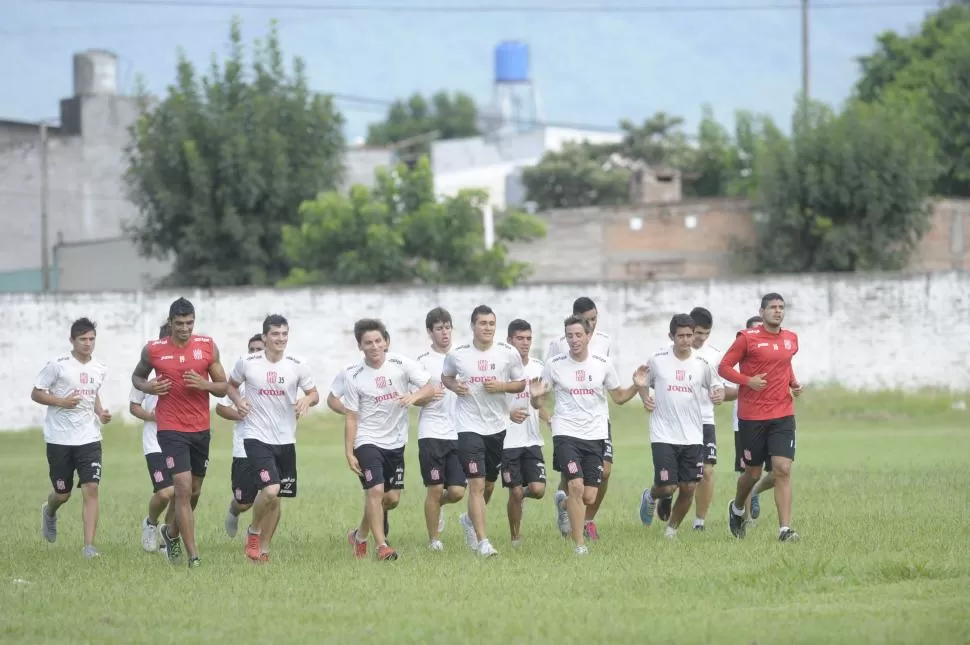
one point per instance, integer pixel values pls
(862, 332)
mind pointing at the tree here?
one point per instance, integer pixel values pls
(712, 159)
(399, 232)
(578, 175)
(224, 161)
(452, 117)
(846, 192)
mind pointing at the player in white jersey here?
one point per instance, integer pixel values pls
(69, 386)
(338, 387)
(481, 373)
(580, 422)
(270, 411)
(376, 430)
(142, 406)
(523, 466)
(682, 380)
(441, 470)
(599, 344)
(242, 480)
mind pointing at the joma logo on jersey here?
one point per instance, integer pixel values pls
(482, 366)
(380, 382)
(84, 378)
(681, 375)
(197, 354)
(580, 376)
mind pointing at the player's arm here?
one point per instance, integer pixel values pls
(517, 378)
(449, 376)
(98, 408)
(137, 411)
(228, 412)
(714, 385)
(139, 377)
(219, 383)
(335, 404)
(730, 393)
(540, 387)
(417, 377)
(350, 426)
(733, 356)
(544, 416)
(41, 393)
(621, 395)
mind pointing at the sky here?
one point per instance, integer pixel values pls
(588, 68)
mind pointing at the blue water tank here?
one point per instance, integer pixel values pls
(512, 62)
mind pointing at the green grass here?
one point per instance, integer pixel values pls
(881, 503)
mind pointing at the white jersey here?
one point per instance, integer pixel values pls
(339, 385)
(65, 377)
(479, 411)
(599, 344)
(527, 433)
(679, 389)
(238, 448)
(713, 357)
(582, 410)
(372, 394)
(437, 419)
(272, 390)
(149, 432)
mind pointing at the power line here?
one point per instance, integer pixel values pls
(510, 8)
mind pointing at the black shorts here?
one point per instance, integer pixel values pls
(439, 462)
(273, 464)
(481, 455)
(185, 451)
(608, 444)
(739, 456)
(580, 458)
(381, 467)
(710, 444)
(159, 474)
(243, 481)
(63, 461)
(761, 440)
(523, 466)
(676, 464)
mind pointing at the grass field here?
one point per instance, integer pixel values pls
(881, 502)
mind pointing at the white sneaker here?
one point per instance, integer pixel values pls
(517, 542)
(670, 533)
(436, 545)
(48, 525)
(149, 536)
(232, 523)
(471, 538)
(441, 520)
(562, 516)
(581, 550)
(89, 552)
(486, 550)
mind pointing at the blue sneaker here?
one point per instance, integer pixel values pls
(755, 507)
(647, 506)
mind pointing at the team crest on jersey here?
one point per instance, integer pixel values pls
(84, 378)
(197, 354)
(380, 382)
(482, 366)
(181, 359)
(271, 377)
(681, 375)
(787, 344)
(580, 376)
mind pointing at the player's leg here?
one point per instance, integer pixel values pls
(455, 481)
(571, 464)
(533, 473)
(393, 466)
(781, 447)
(559, 499)
(754, 442)
(262, 459)
(494, 445)
(471, 448)
(244, 490)
(704, 492)
(87, 463)
(767, 482)
(664, 486)
(369, 460)
(512, 480)
(175, 447)
(286, 466)
(61, 470)
(162, 493)
(690, 471)
(591, 532)
(432, 465)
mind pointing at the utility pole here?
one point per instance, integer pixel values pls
(45, 259)
(806, 64)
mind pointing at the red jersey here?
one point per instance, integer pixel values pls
(183, 409)
(758, 351)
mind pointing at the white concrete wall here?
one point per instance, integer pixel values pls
(862, 332)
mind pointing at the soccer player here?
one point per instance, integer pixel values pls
(704, 492)
(338, 387)
(682, 380)
(599, 344)
(481, 373)
(523, 466)
(142, 406)
(752, 508)
(187, 370)
(580, 422)
(376, 430)
(242, 479)
(766, 410)
(69, 386)
(273, 379)
(441, 470)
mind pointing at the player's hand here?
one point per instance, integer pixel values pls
(243, 408)
(194, 381)
(407, 400)
(650, 404)
(69, 402)
(439, 393)
(519, 415)
(461, 388)
(353, 463)
(758, 382)
(159, 386)
(537, 387)
(717, 395)
(105, 417)
(495, 387)
(796, 388)
(302, 407)
(640, 376)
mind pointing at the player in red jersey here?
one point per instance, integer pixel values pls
(187, 372)
(766, 409)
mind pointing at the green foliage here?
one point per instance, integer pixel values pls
(578, 175)
(846, 192)
(224, 161)
(399, 232)
(453, 117)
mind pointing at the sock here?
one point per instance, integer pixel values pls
(670, 531)
(357, 537)
(264, 551)
(698, 521)
(384, 544)
(252, 531)
(783, 529)
(527, 493)
(737, 511)
(149, 522)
